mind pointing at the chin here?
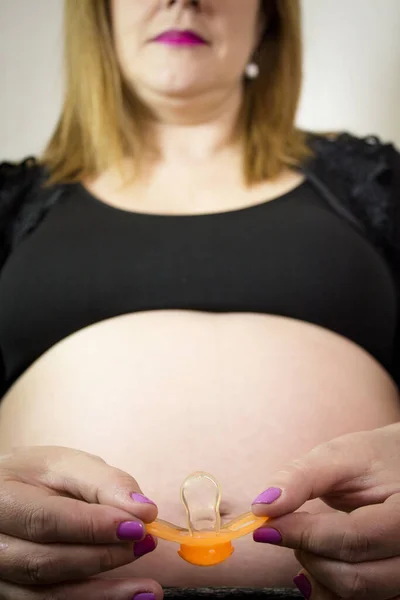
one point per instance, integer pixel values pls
(172, 84)
(180, 82)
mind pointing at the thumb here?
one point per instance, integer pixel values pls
(85, 477)
(322, 471)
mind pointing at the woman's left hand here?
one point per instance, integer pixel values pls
(353, 552)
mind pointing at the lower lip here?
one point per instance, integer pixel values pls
(180, 41)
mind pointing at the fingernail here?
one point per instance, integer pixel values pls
(130, 530)
(144, 596)
(142, 499)
(303, 585)
(268, 496)
(267, 535)
(146, 545)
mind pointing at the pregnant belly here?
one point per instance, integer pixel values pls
(162, 394)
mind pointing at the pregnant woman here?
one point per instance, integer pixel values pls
(189, 283)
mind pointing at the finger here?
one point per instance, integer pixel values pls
(91, 589)
(32, 513)
(40, 564)
(379, 580)
(80, 475)
(368, 533)
(324, 470)
(311, 589)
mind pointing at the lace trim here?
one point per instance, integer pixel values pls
(357, 170)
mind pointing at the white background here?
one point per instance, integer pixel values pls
(352, 70)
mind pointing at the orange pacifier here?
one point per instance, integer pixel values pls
(204, 542)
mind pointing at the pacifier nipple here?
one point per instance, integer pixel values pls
(201, 497)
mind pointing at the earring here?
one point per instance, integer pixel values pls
(252, 70)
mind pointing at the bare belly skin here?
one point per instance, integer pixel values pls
(162, 394)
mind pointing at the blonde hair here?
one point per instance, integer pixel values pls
(102, 121)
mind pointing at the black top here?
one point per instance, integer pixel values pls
(327, 253)
(293, 256)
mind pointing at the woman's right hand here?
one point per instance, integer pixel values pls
(65, 517)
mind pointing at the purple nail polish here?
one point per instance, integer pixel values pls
(146, 545)
(267, 535)
(141, 498)
(144, 596)
(268, 496)
(303, 585)
(130, 530)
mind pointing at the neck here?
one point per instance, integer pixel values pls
(195, 129)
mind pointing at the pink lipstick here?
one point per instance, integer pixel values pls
(175, 37)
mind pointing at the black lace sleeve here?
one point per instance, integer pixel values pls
(358, 172)
(393, 157)
(393, 253)
(24, 200)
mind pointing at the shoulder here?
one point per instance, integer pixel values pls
(17, 181)
(364, 174)
(23, 199)
(18, 178)
(359, 160)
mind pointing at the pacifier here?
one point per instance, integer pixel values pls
(204, 542)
